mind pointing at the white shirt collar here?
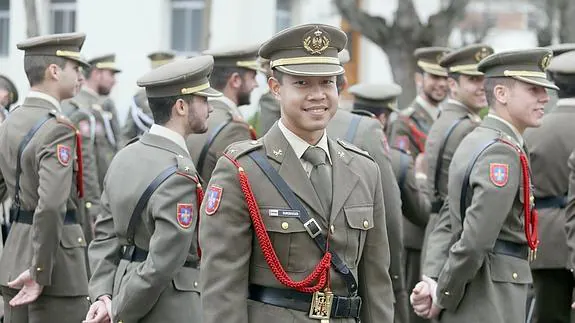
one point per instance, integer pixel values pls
(171, 135)
(430, 109)
(512, 127)
(299, 145)
(46, 97)
(229, 103)
(566, 101)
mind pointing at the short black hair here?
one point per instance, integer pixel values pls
(340, 82)
(35, 67)
(454, 76)
(278, 75)
(162, 107)
(566, 84)
(491, 83)
(221, 74)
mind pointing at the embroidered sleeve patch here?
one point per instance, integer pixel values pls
(184, 215)
(402, 142)
(213, 198)
(499, 174)
(64, 154)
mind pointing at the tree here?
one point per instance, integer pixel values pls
(559, 25)
(407, 32)
(32, 29)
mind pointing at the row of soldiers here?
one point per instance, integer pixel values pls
(320, 219)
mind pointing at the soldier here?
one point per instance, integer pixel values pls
(100, 78)
(42, 268)
(458, 118)
(494, 227)
(549, 147)
(269, 106)
(373, 103)
(272, 241)
(409, 131)
(106, 64)
(234, 75)
(140, 119)
(8, 96)
(146, 255)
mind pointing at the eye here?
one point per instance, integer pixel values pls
(300, 83)
(328, 82)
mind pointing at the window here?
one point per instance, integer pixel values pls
(283, 14)
(4, 26)
(187, 25)
(62, 16)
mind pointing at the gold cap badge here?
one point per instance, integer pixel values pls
(316, 42)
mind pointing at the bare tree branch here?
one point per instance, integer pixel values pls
(406, 18)
(567, 29)
(372, 27)
(441, 23)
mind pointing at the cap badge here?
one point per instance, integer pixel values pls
(484, 52)
(316, 42)
(545, 61)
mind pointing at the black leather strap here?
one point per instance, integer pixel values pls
(208, 144)
(352, 129)
(342, 307)
(551, 202)
(464, 201)
(134, 253)
(309, 223)
(27, 216)
(403, 166)
(513, 249)
(439, 162)
(143, 201)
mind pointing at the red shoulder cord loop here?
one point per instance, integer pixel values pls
(419, 136)
(320, 272)
(531, 215)
(80, 174)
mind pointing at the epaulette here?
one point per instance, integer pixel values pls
(186, 168)
(474, 118)
(241, 148)
(60, 118)
(354, 148)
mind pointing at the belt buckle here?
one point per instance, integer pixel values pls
(313, 232)
(321, 306)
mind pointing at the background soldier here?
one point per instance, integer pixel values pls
(269, 106)
(42, 268)
(486, 275)
(140, 119)
(238, 255)
(549, 147)
(8, 96)
(146, 254)
(235, 76)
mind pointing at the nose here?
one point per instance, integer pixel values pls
(317, 93)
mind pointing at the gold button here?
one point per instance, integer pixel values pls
(80, 240)
(514, 275)
(180, 156)
(395, 277)
(88, 205)
(532, 199)
(38, 269)
(332, 229)
(88, 298)
(195, 284)
(285, 225)
(365, 224)
(254, 142)
(446, 293)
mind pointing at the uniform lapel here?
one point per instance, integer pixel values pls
(344, 179)
(289, 167)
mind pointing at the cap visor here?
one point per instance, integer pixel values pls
(311, 69)
(80, 61)
(471, 72)
(209, 93)
(434, 71)
(537, 81)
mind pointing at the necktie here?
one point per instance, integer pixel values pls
(320, 176)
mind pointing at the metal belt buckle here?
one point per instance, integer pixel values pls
(313, 231)
(321, 303)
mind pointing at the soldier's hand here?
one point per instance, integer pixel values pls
(435, 309)
(100, 311)
(29, 289)
(420, 299)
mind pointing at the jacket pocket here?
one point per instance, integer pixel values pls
(187, 280)
(359, 220)
(72, 237)
(509, 269)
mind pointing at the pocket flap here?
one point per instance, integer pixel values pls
(509, 269)
(72, 237)
(187, 280)
(359, 217)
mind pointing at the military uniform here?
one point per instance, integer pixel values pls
(108, 62)
(454, 123)
(146, 253)
(226, 124)
(45, 237)
(234, 250)
(270, 112)
(550, 146)
(486, 275)
(140, 118)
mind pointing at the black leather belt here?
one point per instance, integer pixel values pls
(551, 202)
(27, 217)
(342, 307)
(514, 249)
(436, 206)
(136, 254)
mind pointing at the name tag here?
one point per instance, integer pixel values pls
(284, 213)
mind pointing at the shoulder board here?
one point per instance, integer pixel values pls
(473, 118)
(241, 148)
(186, 168)
(354, 148)
(60, 118)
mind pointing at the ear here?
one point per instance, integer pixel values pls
(453, 85)
(501, 93)
(235, 81)
(274, 86)
(52, 72)
(180, 108)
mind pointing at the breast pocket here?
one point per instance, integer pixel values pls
(359, 220)
(290, 241)
(509, 269)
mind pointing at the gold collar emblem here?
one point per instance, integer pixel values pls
(316, 42)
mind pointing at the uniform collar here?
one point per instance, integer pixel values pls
(169, 134)
(229, 103)
(516, 132)
(91, 92)
(299, 145)
(431, 110)
(45, 97)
